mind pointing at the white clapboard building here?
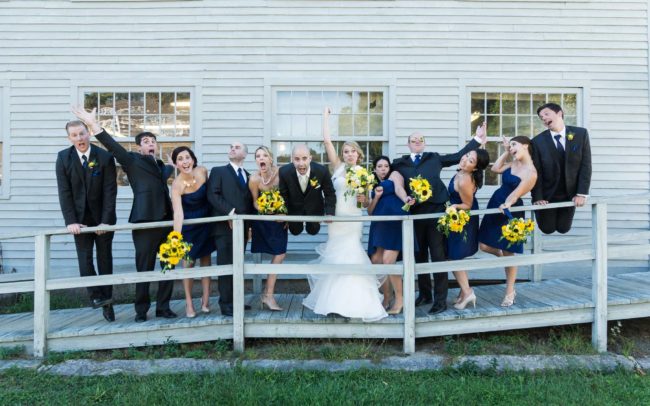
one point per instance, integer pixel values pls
(208, 72)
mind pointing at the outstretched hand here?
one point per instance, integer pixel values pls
(481, 132)
(89, 118)
(506, 143)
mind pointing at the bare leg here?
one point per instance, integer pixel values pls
(267, 297)
(511, 275)
(205, 283)
(463, 282)
(377, 258)
(187, 286)
(490, 250)
(390, 257)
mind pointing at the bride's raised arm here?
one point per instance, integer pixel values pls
(332, 156)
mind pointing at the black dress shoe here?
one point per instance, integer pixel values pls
(97, 303)
(438, 308)
(168, 314)
(226, 311)
(108, 312)
(140, 317)
(247, 307)
(422, 300)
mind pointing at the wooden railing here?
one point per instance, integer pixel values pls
(599, 252)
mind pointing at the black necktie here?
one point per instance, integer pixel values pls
(416, 161)
(85, 161)
(242, 180)
(560, 148)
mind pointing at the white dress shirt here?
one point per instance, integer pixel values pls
(81, 154)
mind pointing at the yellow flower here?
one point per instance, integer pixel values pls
(175, 235)
(570, 136)
(313, 182)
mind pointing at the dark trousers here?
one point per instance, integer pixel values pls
(296, 228)
(224, 257)
(560, 220)
(103, 244)
(431, 242)
(146, 244)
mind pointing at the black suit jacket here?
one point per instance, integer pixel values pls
(86, 192)
(317, 200)
(577, 173)
(148, 179)
(430, 166)
(225, 192)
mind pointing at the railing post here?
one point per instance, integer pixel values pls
(599, 276)
(408, 286)
(41, 294)
(238, 245)
(537, 249)
(257, 279)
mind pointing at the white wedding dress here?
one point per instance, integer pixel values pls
(354, 296)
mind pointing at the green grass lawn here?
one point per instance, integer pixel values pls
(243, 387)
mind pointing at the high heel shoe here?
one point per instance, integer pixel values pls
(458, 298)
(462, 304)
(190, 315)
(509, 299)
(269, 301)
(395, 310)
(205, 309)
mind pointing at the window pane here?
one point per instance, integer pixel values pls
(538, 100)
(493, 126)
(523, 126)
(167, 124)
(298, 126)
(571, 120)
(316, 149)
(152, 103)
(555, 98)
(493, 105)
(183, 103)
(376, 103)
(299, 102)
(508, 126)
(183, 126)
(508, 103)
(478, 103)
(330, 99)
(376, 148)
(492, 147)
(491, 178)
(282, 152)
(361, 125)
(315, 103)
(122, 103)
(477, 120)
(314, 126)
(360, 102)
(105, 103)
(282, 126)
(538, 126)
(137, 103)
(167, 103)
(152, 124)
(345, 102)
(569, 105)
(137, 124)
(345, 125)
(376, 126)
(90, 101)
(284, 102)
(523, 103)
(334, 126)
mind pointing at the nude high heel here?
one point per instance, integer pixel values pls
(269, 301)
(509, 300)
(462, 304)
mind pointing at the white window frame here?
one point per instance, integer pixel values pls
(387, 86)
(5, 138)
(467, 87)
(179, 86)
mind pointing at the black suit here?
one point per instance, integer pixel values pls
(560, 178)
(316, 200)
(429, 239)
(225, 193)
(151, 202)
(87, 196)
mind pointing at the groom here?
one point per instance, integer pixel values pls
(307, 189)
(429, 239)
(562, 156)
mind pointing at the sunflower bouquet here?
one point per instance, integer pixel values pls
(173, 250)
(421, 190)
(454, 221)
(271, 202)
(358, 180)
(517, 230)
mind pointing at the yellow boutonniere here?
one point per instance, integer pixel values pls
(313, 182)
(92, 164)
(569, 136)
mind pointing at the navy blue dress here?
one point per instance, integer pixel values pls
(457, 247)
(269, 237)
(386, 234)
(490, 230)
(195, 205)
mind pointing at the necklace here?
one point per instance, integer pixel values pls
(266, 182)
(189, 184)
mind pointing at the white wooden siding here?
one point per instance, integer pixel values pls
(423, 50)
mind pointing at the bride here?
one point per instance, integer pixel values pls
(354, 296)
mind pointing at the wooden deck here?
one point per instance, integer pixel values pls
(546, 303)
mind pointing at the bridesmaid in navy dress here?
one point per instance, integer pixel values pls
(269, 237)
(189, 201)
(518, 178)
(385, 237)
(462, 196)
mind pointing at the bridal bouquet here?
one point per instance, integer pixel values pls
(517, 230)
(173, 250)
(421, 190)
(271, 202)
(358, 180)
(454, 221)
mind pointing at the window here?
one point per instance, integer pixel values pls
(515, 113)
(357, 114)
(126, 113)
